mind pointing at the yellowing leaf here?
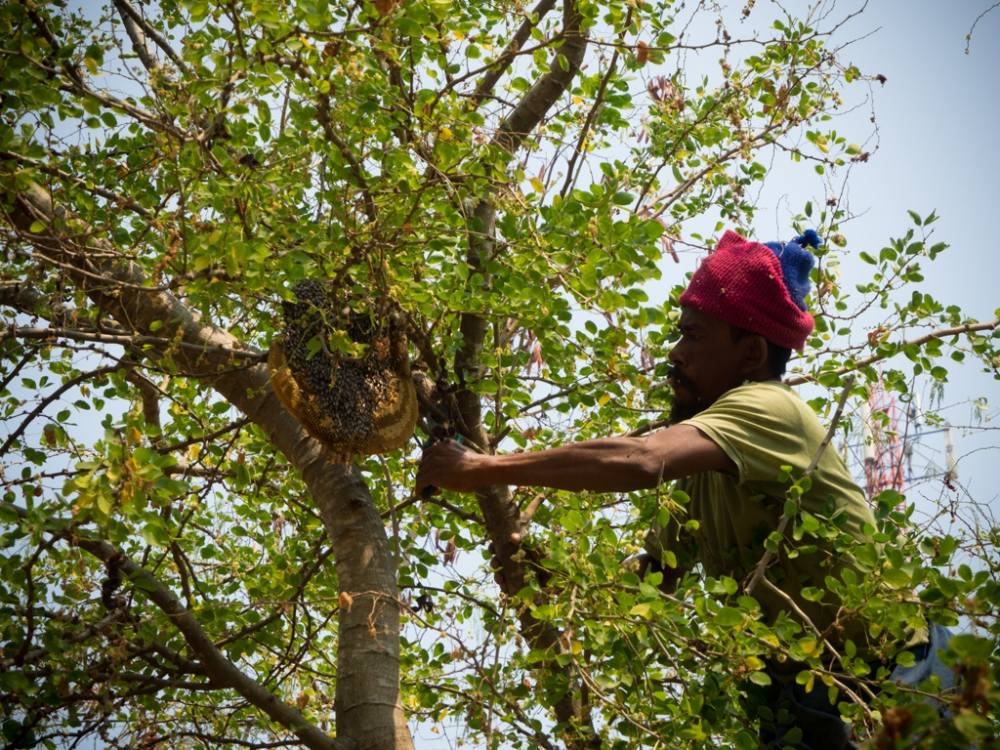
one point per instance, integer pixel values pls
(810, 683)
(808, 645)
(641, 610)
(537, 185)
(771, 640)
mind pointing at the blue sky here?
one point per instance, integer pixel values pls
(938, 117)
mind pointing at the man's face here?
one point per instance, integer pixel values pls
(705, 363)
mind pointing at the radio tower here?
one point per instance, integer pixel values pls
(883, 447)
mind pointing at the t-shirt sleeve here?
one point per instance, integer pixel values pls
(759, 428)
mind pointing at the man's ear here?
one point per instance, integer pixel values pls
(754, 354)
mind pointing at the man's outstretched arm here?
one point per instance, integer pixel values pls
(618, 464)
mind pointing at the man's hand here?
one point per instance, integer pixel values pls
(451, 466)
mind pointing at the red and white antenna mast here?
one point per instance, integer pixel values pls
(883, 447)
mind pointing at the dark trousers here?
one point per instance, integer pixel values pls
(792, 718)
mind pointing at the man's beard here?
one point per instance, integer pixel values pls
(683, 409)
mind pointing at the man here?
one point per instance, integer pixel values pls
(734, 425)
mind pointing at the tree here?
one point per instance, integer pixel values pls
(183, 561)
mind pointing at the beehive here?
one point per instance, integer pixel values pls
(353, 405)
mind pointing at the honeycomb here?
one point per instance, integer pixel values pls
(354, 405)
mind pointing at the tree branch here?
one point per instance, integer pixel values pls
(495, 71)
(323, 115)
(500, 513)
(21, 296)
(941, 333)
(126, 9)
(217, 666)
(537, 101)
(138, 37)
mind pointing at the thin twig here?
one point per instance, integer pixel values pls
(55, 395)
(806, 620)
(124, 339)
(968, 37)
(532, 507)
(938, 334)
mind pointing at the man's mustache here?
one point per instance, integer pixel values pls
(674, 374)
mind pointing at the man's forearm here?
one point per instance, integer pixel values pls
(605, 465)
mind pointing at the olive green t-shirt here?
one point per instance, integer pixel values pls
(762, 427)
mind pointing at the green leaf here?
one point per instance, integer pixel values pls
(813, 594)
(155, 534)
(729, 617)
(971, 648)
(972, 726)
(760, 678)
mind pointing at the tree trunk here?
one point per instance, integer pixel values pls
(368, 710)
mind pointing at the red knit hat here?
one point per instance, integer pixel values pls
(742, 283)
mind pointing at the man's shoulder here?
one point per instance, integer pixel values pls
(766, 397)
(758, 414)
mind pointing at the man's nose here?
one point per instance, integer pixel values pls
(674, 356)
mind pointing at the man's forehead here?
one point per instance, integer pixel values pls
(694, 318)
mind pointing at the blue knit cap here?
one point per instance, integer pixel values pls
(796, 263)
